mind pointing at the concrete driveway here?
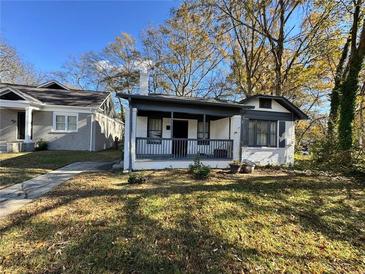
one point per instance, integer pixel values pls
(16, 196)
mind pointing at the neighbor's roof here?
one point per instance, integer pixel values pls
(71, 97)
(181, 99)
(283, 102)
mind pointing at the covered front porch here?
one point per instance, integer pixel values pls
(16, 127)
(163, 133)
(181, 136)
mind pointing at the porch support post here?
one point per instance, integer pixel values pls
(172, 124)
(28, 125)
(127, 138)
(229, 128)
(133, 137)
(204, 119)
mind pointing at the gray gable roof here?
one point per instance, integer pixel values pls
(298, 114)
(182, 100)
(72, 97)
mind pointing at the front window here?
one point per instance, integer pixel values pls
(203, 133)
(262, 133)
(154, 130)
(65, 122)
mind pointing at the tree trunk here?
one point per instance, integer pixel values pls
(279, 51)
(350, 85)
(361, 119)
(335, 94)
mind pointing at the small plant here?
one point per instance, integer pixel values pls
(41, 145)
(199, 170)
(135, 178)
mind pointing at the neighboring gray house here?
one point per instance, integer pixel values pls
(67, 119)
(169, 132)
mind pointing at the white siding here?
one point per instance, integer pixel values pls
(276, 107)
(219, 129)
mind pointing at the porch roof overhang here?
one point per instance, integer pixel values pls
(19, 104)
(188, 105)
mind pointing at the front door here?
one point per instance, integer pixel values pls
(21, 126)
(180, 135)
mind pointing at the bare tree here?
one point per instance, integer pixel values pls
(289, 43)
(13, 69)
(185, 53)
(247, 50)
(79, 73)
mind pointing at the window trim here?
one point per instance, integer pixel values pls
(148, 130)
(201, 141)
(255, 145)
(66, 114)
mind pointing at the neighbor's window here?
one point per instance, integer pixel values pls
(154, 130)
(203, 133)
(262, 133)
(265, 103)
(65, 122)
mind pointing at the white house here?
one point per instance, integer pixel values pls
(169, 132)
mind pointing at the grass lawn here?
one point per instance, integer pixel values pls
(266, 222)
(18, 167)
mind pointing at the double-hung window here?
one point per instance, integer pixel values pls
(262, 133)
(65, 122)
(203, 133)
(154, 130)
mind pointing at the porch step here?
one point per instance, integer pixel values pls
(15, 147)
(3, 148)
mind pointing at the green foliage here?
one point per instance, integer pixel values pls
(199, 170)
(135, 178)
(41, 145)
(328, 156)
(347, 109)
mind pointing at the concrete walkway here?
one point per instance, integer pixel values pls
(16, 196)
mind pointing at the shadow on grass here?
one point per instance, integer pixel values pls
(134, 242)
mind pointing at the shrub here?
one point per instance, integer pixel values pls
(198, 170)
(41, 145)
(135, 178)
(328, 156)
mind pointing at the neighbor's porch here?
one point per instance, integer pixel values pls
(16, 120)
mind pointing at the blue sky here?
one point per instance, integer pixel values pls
(46, 33)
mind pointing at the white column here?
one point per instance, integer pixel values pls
(91, 132)
(28, 125)
(133, 136)
(126, 138)
(236, 136)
